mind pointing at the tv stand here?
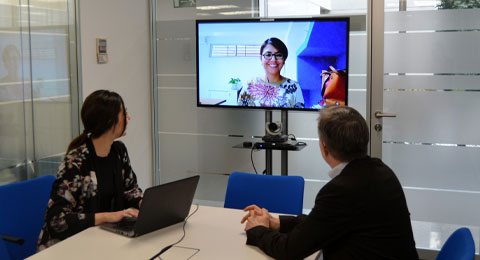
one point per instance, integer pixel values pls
(283, 147)
(284, 152)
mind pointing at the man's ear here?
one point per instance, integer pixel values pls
(323, 148)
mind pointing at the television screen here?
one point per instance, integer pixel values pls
(298, 64)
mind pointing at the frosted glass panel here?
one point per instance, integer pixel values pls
(206, 154)
(440, 167)
(308, 7)
(50, 79)
(432, 117)
(443, 206)
(187, 118)
(178, 37)
(432, 52)
(177, 81)
(432, 83)
(12, 135)
(309, 163)
(357, 100)
(14, 88)
(52, 135)
(357, 54)
(310, 192)
(211, 187)
(433, 20)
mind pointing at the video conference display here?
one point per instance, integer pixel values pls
(298, 64)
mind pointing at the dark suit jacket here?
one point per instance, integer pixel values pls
(360, 214)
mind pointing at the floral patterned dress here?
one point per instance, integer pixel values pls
(74, 196)
(259, 93)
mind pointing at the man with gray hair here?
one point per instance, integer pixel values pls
(360, 214)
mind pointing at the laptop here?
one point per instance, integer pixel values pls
(162, 206)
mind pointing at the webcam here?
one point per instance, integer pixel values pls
(274, 132)
(273, 128)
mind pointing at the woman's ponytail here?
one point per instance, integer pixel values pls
(79, 140)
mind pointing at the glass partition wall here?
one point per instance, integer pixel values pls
(431, 81)
(38, 86)
(192, 140)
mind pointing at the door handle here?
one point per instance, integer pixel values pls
(379, 114)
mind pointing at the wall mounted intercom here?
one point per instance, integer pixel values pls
(102, 56)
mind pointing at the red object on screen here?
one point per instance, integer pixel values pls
(333, 83)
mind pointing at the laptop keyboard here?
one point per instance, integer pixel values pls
(127, 223)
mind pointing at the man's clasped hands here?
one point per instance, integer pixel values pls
(259, 217)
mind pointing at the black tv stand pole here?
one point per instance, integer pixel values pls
(284, 153)
(268, 152)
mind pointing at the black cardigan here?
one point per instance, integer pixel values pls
(360, 214)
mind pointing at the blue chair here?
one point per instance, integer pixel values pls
(4, 255)
(279, 194)
(459, 246)
(22, 209)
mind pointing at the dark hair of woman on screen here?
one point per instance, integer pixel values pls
(95, 182)
(273, 89)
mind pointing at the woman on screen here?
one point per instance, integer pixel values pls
(95, 182)
(272, 90)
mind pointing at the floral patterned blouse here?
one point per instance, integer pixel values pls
(265, 94)
(74, 196)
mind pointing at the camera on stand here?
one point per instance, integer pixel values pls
(274, 133)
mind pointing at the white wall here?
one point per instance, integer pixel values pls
(125, 25)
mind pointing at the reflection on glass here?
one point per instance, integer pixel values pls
(12, 116)
(35, 103)
(435, 241)
(10, 84)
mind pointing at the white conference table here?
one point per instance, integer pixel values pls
(217, 232)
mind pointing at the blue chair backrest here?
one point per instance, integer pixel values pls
(22, 206)
(279, 194)
(459, 246)
(4, 255)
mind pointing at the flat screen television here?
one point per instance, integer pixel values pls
(292, 64)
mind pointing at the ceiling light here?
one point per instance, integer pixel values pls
(216, 7)
(239, 12)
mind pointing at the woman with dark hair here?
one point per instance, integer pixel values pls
(272, 90)
(95, 183)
